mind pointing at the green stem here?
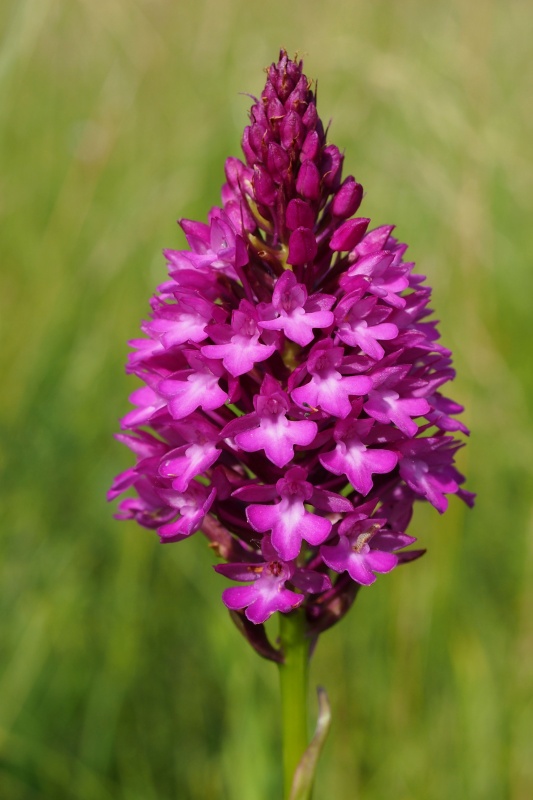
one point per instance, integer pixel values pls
(294, 679)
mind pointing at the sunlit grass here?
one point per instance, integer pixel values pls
(122, 676)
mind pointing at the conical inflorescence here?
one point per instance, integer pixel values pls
(292, 407)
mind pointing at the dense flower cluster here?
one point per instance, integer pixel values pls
(292, 381)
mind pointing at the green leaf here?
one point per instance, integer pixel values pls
(304, 776)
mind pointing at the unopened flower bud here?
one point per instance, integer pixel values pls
(308, 181)
(348, 198)
(299, 215)
(331, 168)
(302, 247)
(349, 234)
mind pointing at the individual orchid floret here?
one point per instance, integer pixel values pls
(193, 458)
(328, 389)
(268, 592)
(191, 506)
(196, 387)
(213, 247)
(439, 415)
(298, 314)
(385, 405)
(354, 459)
(148, 508)
(354, 553)
(268, 429)
(427, 467)
(361, 324)
(175, 515)
(243, 349)
(185, 321)
(289, 521)
(383, 279)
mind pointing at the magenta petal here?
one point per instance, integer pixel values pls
(337, 556)
(238, 425)
(256, 493)
(240, 572)
(298, 314)
(389, 541)
(178, 530)
(262, 518)
(365, 336)
(380, 561)
(358, 569)
(341, 558)
(287, 528)
(265, 605)
(310, 581)
(331, 393)
(237, 597)
(330, 501)
(314, 529)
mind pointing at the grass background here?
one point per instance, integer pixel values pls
(121, 676)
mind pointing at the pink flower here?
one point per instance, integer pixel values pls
(268, 429)
(289, 521)
(298, 314)
(328, 388)
(357, 552)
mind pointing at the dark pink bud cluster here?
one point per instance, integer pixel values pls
(292, 407)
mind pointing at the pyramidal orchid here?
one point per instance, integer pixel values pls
(291, 410)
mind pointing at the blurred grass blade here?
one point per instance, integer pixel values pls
(305, 773)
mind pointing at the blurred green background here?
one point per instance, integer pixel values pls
(121, 675)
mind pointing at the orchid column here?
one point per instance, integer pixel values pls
(291, 408)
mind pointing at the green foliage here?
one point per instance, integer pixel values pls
(121, 676)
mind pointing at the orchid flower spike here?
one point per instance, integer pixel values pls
(291, 410)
